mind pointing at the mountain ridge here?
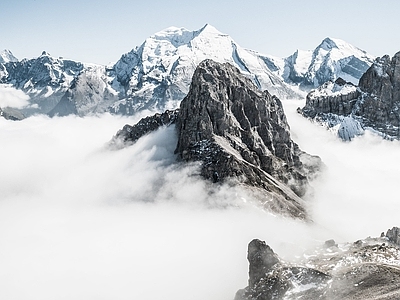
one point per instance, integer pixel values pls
(372, 105)
(154, 75)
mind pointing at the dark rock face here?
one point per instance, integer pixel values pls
(393, 235)
(269, 278)
(11, 114)
(381, 100)
(130, 134)
(320, 102)
(374, 104)
(366, 269)
(261, 258)
(237, 132)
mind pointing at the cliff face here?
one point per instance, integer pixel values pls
(374, 104)
(237, 133)
(380, 103)
(365, 269)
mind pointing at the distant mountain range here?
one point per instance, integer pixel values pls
(156, 75)
(372, 105)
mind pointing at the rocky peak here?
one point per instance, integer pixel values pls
(382, 80)
(375, 103)
(393, 235)
(365, 269)
(271, 278)
(245, 130)
(240, 134)
(261, 260)
(328, 44)
(6, 56)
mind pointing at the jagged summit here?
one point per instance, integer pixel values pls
(331, 59)
(238, 133)
(7, 56)
(209, 29)
(373, 105)
(328, 43)
(365, 269)
(156, 74)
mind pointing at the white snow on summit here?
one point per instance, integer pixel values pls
(332, 89)
(6, 56)
(160, 70)
(333, 58)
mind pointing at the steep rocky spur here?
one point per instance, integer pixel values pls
(373, 105)
(237, 133)
(365, 269)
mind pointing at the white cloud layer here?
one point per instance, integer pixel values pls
(11, 97)
(357, 195)
(81, 221)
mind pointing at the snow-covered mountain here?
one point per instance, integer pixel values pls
(6, 56)
(156, 75)
(44, 79)
(374, 104)
(332, 59)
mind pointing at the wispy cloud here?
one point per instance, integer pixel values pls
(11, 97)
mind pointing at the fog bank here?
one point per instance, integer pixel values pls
(357, 194)
(79, 220)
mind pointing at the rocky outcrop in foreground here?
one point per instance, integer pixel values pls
(374, 104)
(366, 269)
(237, 133)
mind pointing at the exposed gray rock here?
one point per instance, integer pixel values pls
(270, 278)
(393, 235)
(45, 79)
(375, 104)
(130, 134)
(237, 133)
(367, 269)
(379, 106)
(11, 114)
(336, 97)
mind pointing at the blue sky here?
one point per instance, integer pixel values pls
(100, 31)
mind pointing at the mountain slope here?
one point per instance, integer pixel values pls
(365, 269)
(332, 59)
(238, 134)
(157, 74)
(6, 56)
(374, 104)
(44, 79)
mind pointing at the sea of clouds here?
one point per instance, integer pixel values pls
(81, 220)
